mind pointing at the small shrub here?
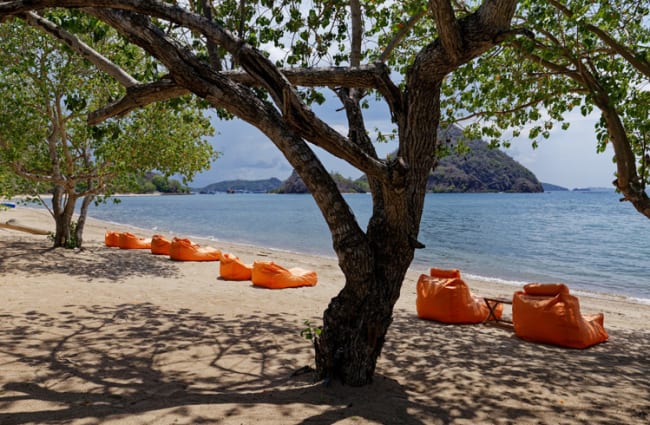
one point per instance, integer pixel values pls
(310, 332)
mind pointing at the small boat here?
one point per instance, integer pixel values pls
(8, 204)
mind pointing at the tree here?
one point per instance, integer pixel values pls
(47, 90)
(576, 55)
(215, 50)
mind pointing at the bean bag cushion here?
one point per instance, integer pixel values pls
(112, 239)
(131, 241)
(160, 245)
(270, 275)
(232, 268)
(185, 250)
(547, 313)
(445, 297)
(444, 273)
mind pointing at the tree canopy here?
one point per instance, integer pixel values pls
(45, 139)
(572, 57)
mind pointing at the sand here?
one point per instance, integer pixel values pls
(112, 336)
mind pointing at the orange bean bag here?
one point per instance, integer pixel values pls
(270, 275)
(112, 239)
(445, 297)
(547, 313)
(185, 250)
(160, 245)
(131, 241)
(232, 268)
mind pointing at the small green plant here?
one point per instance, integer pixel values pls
(310, 332)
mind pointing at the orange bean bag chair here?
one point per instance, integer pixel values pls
(547, 313)
(160, 245)
(131, 241)
(112, 239)
(445, 297)
(267, 274)
(185, 250)
(232, 268)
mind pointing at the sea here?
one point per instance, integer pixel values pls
(587, 239)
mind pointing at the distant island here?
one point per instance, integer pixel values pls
(157, 183)
(594, 189)
(548, 187)
(481, 169)
(242, 186)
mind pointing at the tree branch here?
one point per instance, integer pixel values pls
(302, 119)
(625, 52)
(403, 31)
(81, 48)
(449, 32)
(628, 54)
(213, 50)
(357, 32)
(515, 108)
(375, 76)
(223, 92)
(137, 97)
(560, 69)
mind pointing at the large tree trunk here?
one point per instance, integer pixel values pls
(357, 319)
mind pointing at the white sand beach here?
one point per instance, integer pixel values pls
(110, 336)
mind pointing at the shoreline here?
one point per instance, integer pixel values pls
(112, 336)
(511, 255)
(592, 302)
(484, 282)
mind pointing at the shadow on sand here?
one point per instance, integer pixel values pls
(119, 362)
(94, 262)
(150, 364)
(137, 358)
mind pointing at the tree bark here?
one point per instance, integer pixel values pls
(628, 181)
(63, 205)
(81, 221)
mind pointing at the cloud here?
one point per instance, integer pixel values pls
(568, 158)
(245, 154)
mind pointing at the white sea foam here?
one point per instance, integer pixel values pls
(495, 280)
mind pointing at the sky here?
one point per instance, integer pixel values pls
(568, 158)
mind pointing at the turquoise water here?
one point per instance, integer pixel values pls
(588, 240)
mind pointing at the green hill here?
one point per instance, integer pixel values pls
(255, 186)
(294, 184)
(482, 169)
